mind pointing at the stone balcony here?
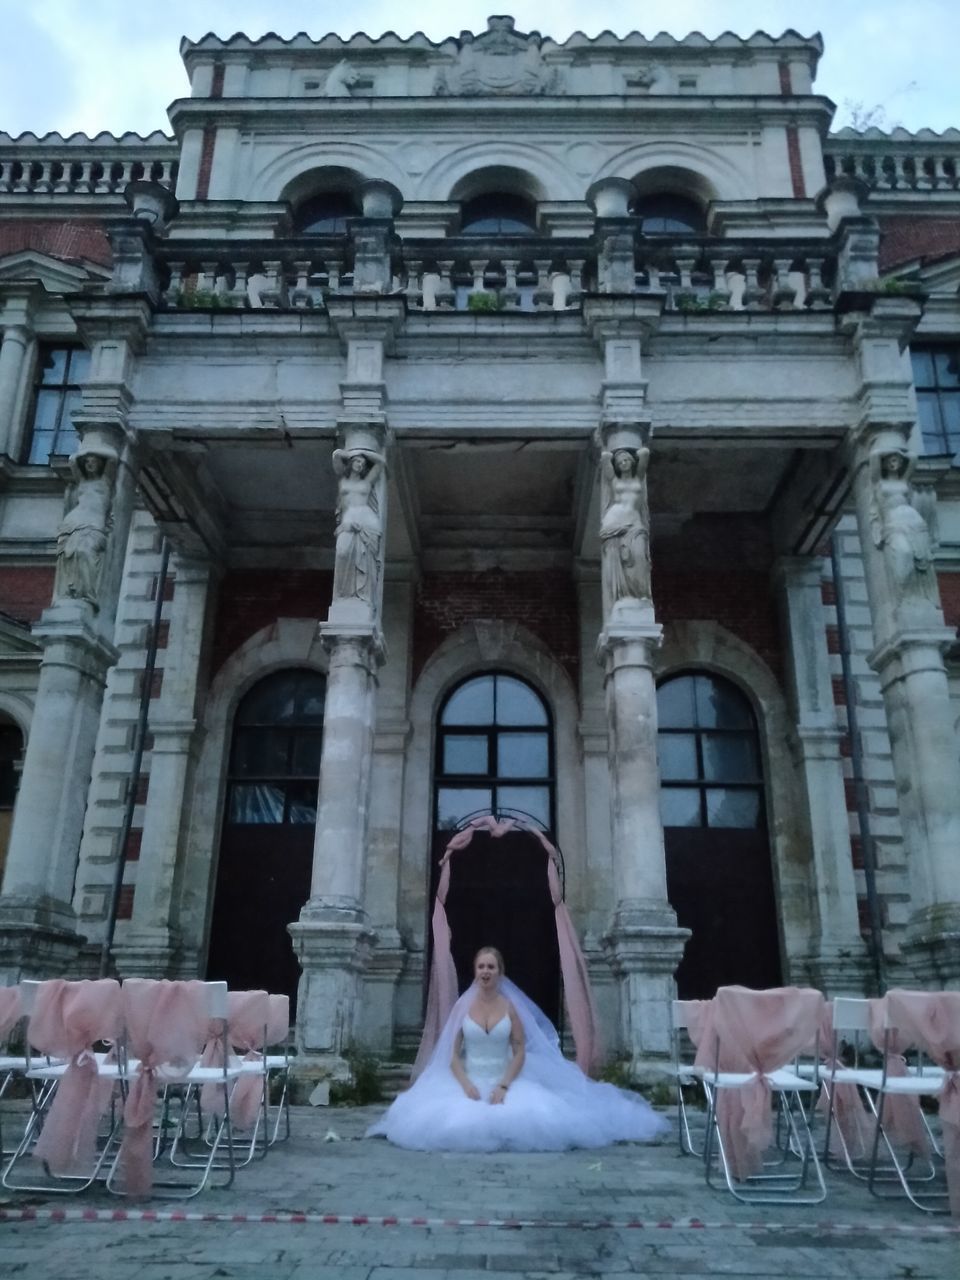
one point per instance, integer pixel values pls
(530, 274)
(898, 161)
(82, 166)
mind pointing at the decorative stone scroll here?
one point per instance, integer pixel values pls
(624, 527)
(900, 531)
(84, 530)
(359, 525)
(500, 61)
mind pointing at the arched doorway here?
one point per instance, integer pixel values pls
(266, 850)
(719, 876)
(495, 754)
(11, 758)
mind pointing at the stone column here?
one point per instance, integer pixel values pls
(148, 943)
(837, 962)
(13, 357)
(910, 641)
(38, 935)
(333, 937)
(644, 942)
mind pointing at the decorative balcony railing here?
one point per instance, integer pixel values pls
(897, 161)
(85, 166)
(446, 276)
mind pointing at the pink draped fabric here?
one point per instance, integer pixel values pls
(278, 1020)
(68, 1019)
(442, 991)
(931, 1022)
(248, 1013)
(851, 1120)
(754, 1032)
(166, 1025)
(697, 1015)
(902, 1120)
(10, 1010)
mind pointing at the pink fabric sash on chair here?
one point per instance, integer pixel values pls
(697, 1014)
(931, 1021)
(68, 1018)
(166, 1025)
(278, 1021)
(248, 1014)
(902, 1119)
(851, 1120)
(755, 1032)
(442, 991)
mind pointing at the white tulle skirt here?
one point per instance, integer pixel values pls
(436, 1115)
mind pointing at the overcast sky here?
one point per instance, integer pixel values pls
(114, 64)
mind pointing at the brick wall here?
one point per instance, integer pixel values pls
(544, 603)
(25, 590)
(250, 599)
(66, 240)
(950, 597)
(906, 238)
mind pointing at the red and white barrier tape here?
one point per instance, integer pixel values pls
(28, 1214)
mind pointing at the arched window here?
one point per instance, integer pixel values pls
(499, 213)
(11, 755)
(275, 755)
(494, 752)
(326, 214)
(669, 215)
(710, 769)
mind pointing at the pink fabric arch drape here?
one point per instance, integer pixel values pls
(248, 1016)
(68, 1019)
(442, 991)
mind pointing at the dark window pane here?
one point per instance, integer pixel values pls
(79, 370)
(726, 808)
(260, 753)
(675, 709)
(534, 801)
(950, 408)
(471, 704)
(680, 807)
(302, 803)
(455, 803)
(518, 704)
(256, 803)
(306, 755)
(53, 365)
(465, 754)
(67, 440)
(948, 367)
(41, 444)
(47, 410)
(721, 706)
(678, 757)
(311, 700)
(928, 411)
(922, 362)
(730, 757)
(272, 701)
(522, 755)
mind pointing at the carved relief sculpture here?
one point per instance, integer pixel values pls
(900, 531)
(624, 526)
(359, 525)
(338, 83)
(499, 61)
(82, 537)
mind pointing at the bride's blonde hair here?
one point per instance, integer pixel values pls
(491, 951)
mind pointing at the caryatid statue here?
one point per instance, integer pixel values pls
(624, 526)
(359, 524)
(82, 536)
(900, 531)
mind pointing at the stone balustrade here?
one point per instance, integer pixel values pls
(81, 166)
(896, 161)
(445, 277)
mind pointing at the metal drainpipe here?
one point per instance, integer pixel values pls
(859, 783)
(133, 781)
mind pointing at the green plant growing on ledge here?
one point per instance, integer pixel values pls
(481, 300)
(690, 303)
(199, 299)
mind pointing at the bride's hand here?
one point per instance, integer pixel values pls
(499, 1095)
(472, 1092)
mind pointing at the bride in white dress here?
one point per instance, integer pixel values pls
(497, 1081)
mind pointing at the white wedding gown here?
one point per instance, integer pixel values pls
(574, 1111)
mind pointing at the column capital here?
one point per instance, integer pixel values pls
(19, 303)
(625, 642)
(66, 635)
(353, 644)
(908, 652)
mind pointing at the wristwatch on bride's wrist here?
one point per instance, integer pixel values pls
(503, 1086)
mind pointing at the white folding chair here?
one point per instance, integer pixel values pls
(683, 1072)
(278, 1067)
(777, 1181)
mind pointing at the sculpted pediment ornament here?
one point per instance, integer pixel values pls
(53, 274)
(499, 61)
